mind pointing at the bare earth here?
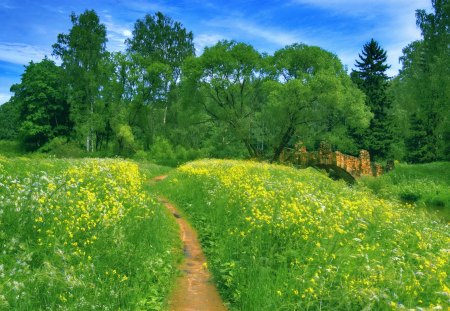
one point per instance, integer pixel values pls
(194, 290)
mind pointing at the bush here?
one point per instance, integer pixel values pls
(10, 148)
(162, 152)
(62, 148)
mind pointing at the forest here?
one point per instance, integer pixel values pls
(158, 100)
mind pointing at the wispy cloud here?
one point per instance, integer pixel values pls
(203, 40)
(364, 7)
(117, 32)
(149, 6)
(238, 28)
(392, 23)
(272, 35)
(20, 53)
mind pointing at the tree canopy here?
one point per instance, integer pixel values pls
(158, 99)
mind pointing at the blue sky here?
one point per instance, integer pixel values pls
(29, 28)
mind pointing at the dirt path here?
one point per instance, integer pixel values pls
(194, 290)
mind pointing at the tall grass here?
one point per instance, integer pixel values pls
(277, 238)
(426, 185)
(82, 235)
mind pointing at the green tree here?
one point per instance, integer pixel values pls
(226, 82)
(9, 120)
(158, 48)
(42, 103)
(315, 100)
(371, 78)
(83, 54)
(422, 90)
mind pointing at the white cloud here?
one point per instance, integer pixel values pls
(4, 97)
(391, 23)
(117, 33)
(272, 35)
(20, 53)
(364, 7)
(203, 40)
(239, 28)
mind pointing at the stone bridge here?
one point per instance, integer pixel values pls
(336, 163)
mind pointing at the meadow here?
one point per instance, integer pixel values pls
(278, 238)
(83, 235)
(425, 185)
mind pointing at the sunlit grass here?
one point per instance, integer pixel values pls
(82, 235)
(284, 239)
(425, 185)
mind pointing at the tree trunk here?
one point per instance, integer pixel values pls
(283, 143)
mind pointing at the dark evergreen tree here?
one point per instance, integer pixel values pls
(419, 141)
(371, 78)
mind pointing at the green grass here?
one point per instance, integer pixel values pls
(278, 238)
(83, 235)
(150, 170)
(426, 185)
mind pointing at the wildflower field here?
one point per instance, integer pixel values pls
(278, 238)
(426, 185)
(82, 235)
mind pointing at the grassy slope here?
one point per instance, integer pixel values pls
(82, 234)
(427, 185)
(283, 239)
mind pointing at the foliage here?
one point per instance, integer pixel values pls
(10, 148)
(426, 185)
(9, 117)
(226, 81)
(62, 148)
(422, 92)
(164, 153)
(158, 48)
(43, 108)
(231, 101)
(83, 54)
(372, 80)
(82, 235)
(315, 101)
(277, 238)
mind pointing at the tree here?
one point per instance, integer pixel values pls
(42, 104)
(226, 81)
(371, 78)
(315, 99)
(83, 54)
(422, 90)
(9, 120)
(158, 48)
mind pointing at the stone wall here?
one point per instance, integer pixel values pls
(325, 157)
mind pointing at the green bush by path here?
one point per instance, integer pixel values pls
(82, 235)
(426, 185)
(277, 238)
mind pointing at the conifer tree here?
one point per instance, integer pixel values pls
(372, 79)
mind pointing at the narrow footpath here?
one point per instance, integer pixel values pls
(194, 290)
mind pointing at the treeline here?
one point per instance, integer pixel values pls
(159, 100)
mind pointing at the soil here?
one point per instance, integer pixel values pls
(194, 290)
